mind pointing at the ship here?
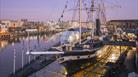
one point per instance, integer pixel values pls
(76, 46)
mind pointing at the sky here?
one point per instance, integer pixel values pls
(44, 10)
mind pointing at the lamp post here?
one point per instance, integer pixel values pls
(23, 55)
(120, 45)
(136, 62)
(14, 59)
(29, 46)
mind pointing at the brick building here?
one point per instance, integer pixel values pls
(123, 24)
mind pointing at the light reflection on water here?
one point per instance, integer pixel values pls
(3, 43)
(21, 45)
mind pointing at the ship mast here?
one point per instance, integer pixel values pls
(92, 16)
(92, 9)
(80, 7)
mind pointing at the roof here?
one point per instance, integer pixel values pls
(131, 20)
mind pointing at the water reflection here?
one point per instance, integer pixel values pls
(12, 52)
(3, 43)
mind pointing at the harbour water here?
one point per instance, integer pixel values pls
(15, 51)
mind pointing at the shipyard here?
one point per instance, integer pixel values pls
(69, 38)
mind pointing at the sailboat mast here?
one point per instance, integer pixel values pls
(80, 7)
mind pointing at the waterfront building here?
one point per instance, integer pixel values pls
(12, 23)
(3, 28)
(112, 25)
(16, 23)
(6, 22)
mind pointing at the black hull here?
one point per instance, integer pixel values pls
(77, 61)
(74, 66)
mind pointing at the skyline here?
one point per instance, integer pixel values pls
(39, 10)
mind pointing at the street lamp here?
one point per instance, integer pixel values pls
(136, 62)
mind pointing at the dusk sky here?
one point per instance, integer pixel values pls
(43, 10)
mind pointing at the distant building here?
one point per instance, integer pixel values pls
(31, 30)
(16, 23)
(3, 28)
(24, 20)
(6, 22)
(75, 24)
(11, 23)
(123, 24)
